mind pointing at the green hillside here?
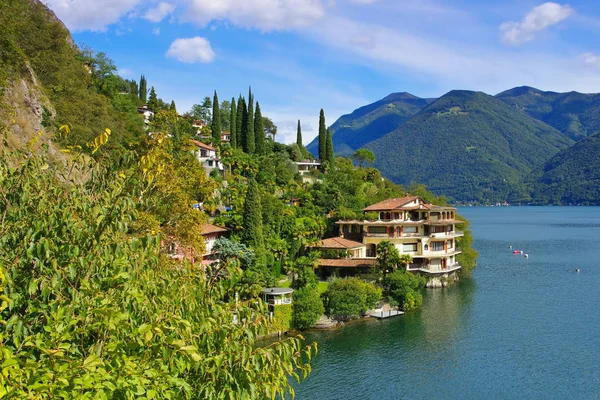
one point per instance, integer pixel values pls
(368, 123)
(469, 146)
(575, 114)
(572, 176)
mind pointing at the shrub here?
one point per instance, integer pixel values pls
(350, 298)
(308, 307)
(404, 289)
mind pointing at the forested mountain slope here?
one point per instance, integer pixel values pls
(575, 114)
(572, 176)
(368, 123)
(469, 146)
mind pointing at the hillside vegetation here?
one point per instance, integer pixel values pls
(572, 176)
(577, 115)
(469, 146)
(368, 123)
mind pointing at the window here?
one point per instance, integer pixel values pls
(409, 247)
(410, 229)
(437, 246)
(210, 163)
(345, 228)
(378, 229)
(438, 229)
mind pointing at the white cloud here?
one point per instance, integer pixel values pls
(538, 19)
(90, 15)
(591, 60)
(191, 50)
(266, 15)
(156, 30)
(363, 1)
(159, 12)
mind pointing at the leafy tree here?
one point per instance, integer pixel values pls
(104, 314)
(259, 132)
(364, 155)
(350, 298)
(299, 135)
(307, 307)
(388, 257)
(226, 251)
(143, 95)
(225, 112)
(322, 137)
(239, 121)
(203, 111)
(252, 235)
(404, 289)
(249, 142)
(233, 125)
(216, 121)
(329, 149)
(153, 100)
(270, 128)
(305, 272)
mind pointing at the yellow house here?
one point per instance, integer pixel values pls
(425, 231)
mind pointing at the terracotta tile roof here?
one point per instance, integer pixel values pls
(390, 204)
(200, 144)
(339, 243)
(207, 229)
(348, 262)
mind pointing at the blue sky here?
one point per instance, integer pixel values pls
(303, 55)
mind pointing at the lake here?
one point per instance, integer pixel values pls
(526, 328)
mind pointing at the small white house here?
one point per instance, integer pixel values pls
(146, 112)
(207, 155)
(306, 166)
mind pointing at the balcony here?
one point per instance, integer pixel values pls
(446, 235)
(434, 269)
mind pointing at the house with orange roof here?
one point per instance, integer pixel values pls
(207, 156)
(427, 232)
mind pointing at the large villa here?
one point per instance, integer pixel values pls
(425, 231)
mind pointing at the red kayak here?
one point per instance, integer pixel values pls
(516, 251)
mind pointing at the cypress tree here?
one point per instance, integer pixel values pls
(239, 122)
(330, 153)
(143, 95)
(259, 132)
(252, 235)
(232, 124)
(299, 135)
(249, 145)
(153, 100)
(216, 120)
(173, 108)
(322, 137)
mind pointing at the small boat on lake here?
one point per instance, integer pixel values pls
(516, 251)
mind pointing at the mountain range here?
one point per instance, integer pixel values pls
(478, 148)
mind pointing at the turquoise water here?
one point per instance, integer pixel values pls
(526, 328)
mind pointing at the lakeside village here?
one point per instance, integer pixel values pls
(405, 233)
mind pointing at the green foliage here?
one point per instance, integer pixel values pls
(283, 316)
(249, 141)
(468, 258)
(153, 100)
(233, 125)
(216, 121)
(330, 154)
(364, 155)
(572, 176)
(143, 94)
(90, 311)
(388, 257)
(252, 235)
(304, 270)
(322, 137)
(239, 122)
(308, 307)
(299, 135)
(404, 289)
(577, 115)
(350, 298)
(203, 111)
(259, 132)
